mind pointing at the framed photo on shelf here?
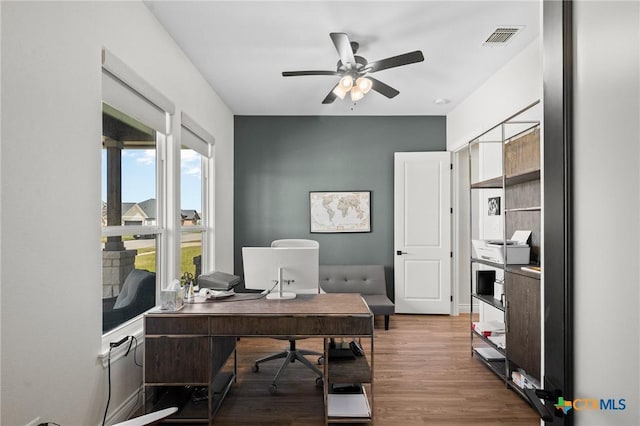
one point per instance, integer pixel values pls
(340, 211)
(494, 206)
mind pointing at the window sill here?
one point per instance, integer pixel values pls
(130, 328)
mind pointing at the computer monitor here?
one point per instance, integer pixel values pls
(294, 269)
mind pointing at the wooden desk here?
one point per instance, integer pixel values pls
(177, 343)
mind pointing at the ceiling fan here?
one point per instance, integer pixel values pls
(354, 71)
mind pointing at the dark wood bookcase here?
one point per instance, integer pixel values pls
(512, 151)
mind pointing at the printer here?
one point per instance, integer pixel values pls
(218, 281)
(517, 249)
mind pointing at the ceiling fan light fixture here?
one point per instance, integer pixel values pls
(364, 84)
(340, 91)
(356, 93)
(346, 82)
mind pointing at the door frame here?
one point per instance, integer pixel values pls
(557, 76)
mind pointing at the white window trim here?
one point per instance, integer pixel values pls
(197, 138)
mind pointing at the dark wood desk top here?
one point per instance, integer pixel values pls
(246, 304)
(334, 314)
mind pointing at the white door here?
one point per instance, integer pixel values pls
(422, 232)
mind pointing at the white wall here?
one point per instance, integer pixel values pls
(51, 311)
(606, 205)
(514, 87)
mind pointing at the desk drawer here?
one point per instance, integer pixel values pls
(291, 326)
(177, 360)
(172, 325)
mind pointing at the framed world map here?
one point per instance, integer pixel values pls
(333, 212)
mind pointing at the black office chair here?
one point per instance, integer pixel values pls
(291, 354)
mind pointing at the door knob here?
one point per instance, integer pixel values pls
(400, 252)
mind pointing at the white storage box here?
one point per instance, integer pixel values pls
(498, 291)
(493, 250)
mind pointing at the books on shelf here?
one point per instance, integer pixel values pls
(488, 328)
(523, 380)
(531, 268)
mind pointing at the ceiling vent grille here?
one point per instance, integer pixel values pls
(501, 35)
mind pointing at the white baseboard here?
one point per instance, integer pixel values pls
(465, 308)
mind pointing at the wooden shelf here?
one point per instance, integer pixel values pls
(489, 342)
(349, 370)
(489, 300)
(524, 209)
(515, 179)
(523, 177)
(493, 183)
(497, 367)
(488, 263)
(516, 269)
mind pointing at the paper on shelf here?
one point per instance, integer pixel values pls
(490, 354)
(348, 405)
(488, 328)
(499, 340)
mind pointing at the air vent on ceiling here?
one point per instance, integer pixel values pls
(502, 35)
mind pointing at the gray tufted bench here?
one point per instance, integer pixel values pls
(368, 280)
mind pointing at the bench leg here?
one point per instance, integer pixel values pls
(386, 322)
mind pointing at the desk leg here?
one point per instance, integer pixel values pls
(326, 380)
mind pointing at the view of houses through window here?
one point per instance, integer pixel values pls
(131, 231)
(191, 201)
(132, 197)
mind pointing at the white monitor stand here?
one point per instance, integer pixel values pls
(281, 294)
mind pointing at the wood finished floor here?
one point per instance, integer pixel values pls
(424, 375)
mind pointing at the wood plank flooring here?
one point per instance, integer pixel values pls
(424, 375)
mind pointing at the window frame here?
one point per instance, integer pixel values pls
(194, 137)
(127, 92)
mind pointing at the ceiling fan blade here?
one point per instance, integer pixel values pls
(330, 98)
(343, 46)
(298, 73)
(383, 89)
(395, 61)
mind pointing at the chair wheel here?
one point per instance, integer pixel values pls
(320, 360)
(273, 388)
(255, 368)
(319, 382)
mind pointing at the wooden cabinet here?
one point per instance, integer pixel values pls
(186, 367)
(523, 322)
(505, 167)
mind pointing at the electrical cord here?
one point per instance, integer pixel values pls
(135, 361)
(113, 345)
(104, 418)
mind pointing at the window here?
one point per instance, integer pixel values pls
(131, 226)
(135, 125)
(195, 165)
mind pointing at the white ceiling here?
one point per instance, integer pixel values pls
(242, 47)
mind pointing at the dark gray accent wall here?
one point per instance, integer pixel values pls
(279, 160)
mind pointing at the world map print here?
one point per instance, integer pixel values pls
(340, 211)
